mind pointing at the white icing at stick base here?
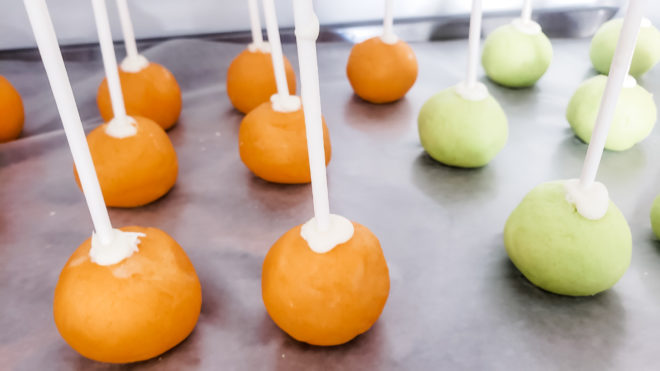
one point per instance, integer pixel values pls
(122, 246)
(134, 63)
(389, 38)
(263, 47)
(646, 22)
(591, 202)
(340, 230)
(476, 92)
(629, 82)
(285, 103)
(528, 27)
(119, 128)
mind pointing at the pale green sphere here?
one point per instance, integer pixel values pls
(655, 216)
(461, 132)
(514, 58)
(647, 49)
(634, 117)
(559, 250)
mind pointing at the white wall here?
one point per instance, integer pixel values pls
(157, 18)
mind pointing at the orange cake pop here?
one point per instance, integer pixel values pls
(325, 299)
(326, 281)
(11, 111)
(133, 170)
(251, 76)
(382, 69)
(152, 92)
(125, 295)
(129, 311)
(273, 145)
(272, 139)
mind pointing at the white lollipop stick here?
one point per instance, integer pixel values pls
(127, 29)
(44, 34)
(474, 39)
(255, 24)
(307, 31)
(110, 62)
(388, 24)
(526, 14)
(276, 48)
(618, 72)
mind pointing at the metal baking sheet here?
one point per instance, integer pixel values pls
(456, 302)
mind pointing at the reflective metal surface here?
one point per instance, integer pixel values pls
(456, 301)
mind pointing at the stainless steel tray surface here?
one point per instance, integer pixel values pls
(456, 302)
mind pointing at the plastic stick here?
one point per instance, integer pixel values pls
(273, 31)
(474, 40)
(127, 29)
(526, 14)
(44, 33)
(255, 23)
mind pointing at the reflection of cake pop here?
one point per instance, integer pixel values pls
(382, 69)
(11, 108)
(150, 89)
(633, 119)
(568, 237)
(647, 49)
(464, 125)
(326, 281)
(271, 140)
(124, 295)
(135, 159)
(250, 77)
(518, 54)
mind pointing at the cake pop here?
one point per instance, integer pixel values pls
(250, 77)
(327, 281)
(149, 88)
(655, 216)
(135, 159)
(271, 138)
(382, 69)
(633, 119)
(568, 237)
(518, 54)
(128, 294)
(647, 49)
(464, 125)
(11, 108)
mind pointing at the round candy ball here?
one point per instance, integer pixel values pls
(380, 72)
(152, 93)
(561, 251)
(655, 216)
(273, 145)
(515, 58)
(645, 56)
(251, 79)
(634, 117)
(325, 299)
(461, 132)
(131, 311)
(12, 115)
(135, 170)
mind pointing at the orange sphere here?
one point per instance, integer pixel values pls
(152, 93)
(325, 299)
(131, 311)
(381, 72)
(135, 170)
(12, 115)
(273, 145)
(251, 80)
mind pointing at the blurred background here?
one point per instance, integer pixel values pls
(228, 19)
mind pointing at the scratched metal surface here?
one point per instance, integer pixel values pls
(456, 301)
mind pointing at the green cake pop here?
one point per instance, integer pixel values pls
(634, 117)
(647, 49)
(517, 55)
